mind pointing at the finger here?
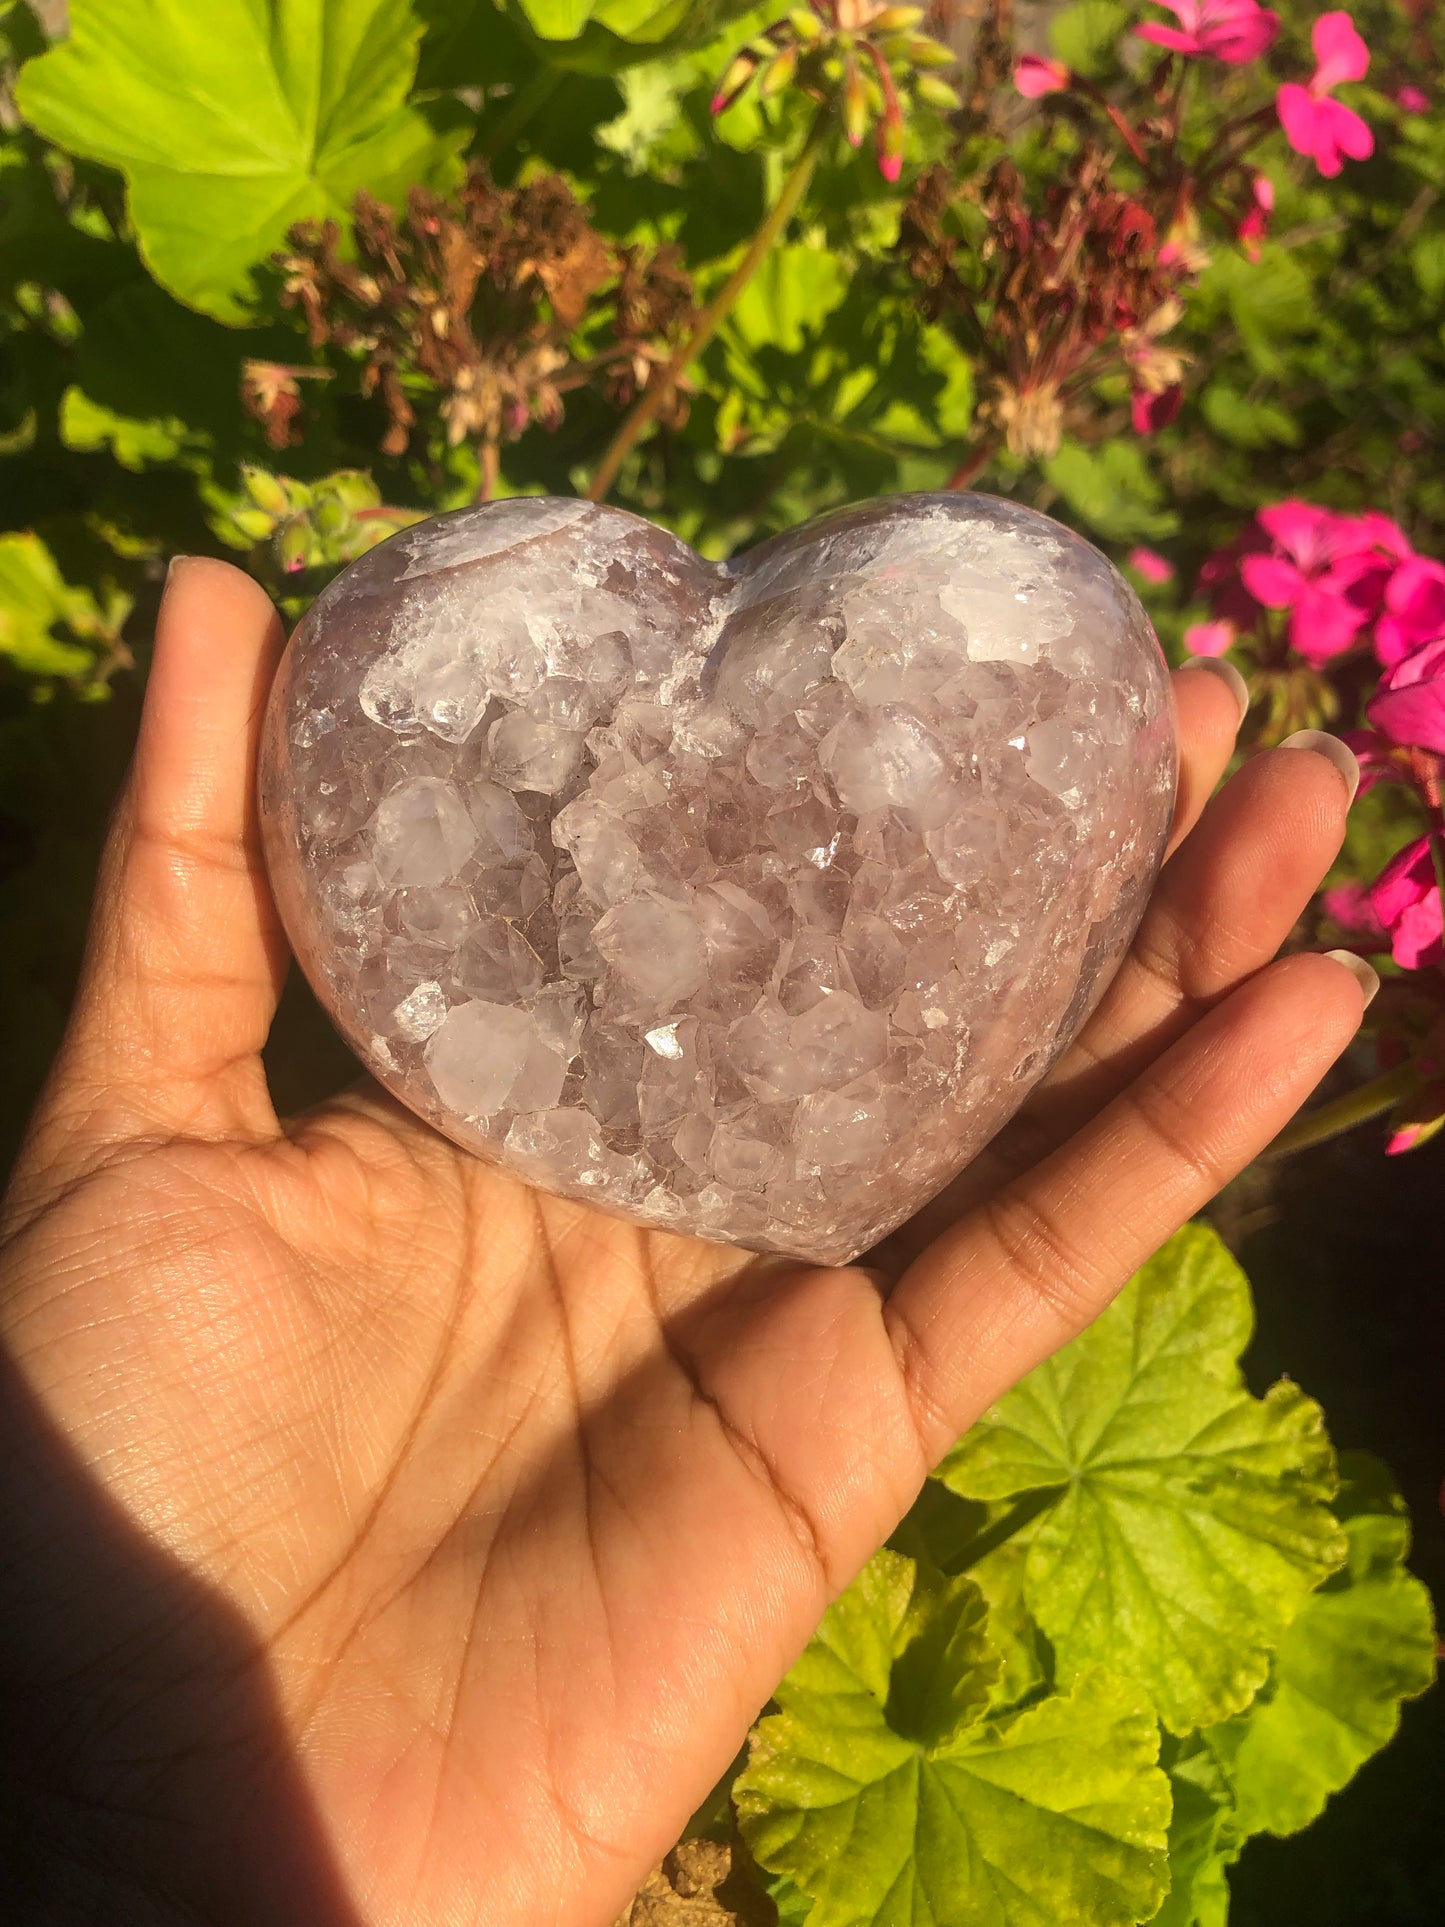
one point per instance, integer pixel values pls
(1211, 700)
(186, 956)
(1018, 1277)
(1224, 904)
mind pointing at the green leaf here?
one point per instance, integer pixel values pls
(603, 36)
(793, 292)
(1361, 1644)
(36, 601)
(1086, 37)
(1189, 1521)
(1111, 489)
(233, 120)
(135, 441)
(882, 1795)
(1427, 258)
(1204, 1843)
(1246, 423)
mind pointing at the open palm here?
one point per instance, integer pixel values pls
(389, 1543)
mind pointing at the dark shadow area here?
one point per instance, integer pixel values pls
(1344, 1248)
(145, 1776)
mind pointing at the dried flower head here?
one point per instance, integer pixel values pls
(498, 301)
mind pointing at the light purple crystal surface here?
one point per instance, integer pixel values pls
(745, 900)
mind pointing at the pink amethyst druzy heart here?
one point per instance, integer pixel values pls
(748, 900)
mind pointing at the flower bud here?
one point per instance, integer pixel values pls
(779, 72)
(265, 489)
(855, 107)
(924, 51)
(353, 487)
(293, 545)
(253, 524)
(936, 92)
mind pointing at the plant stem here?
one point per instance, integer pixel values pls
(525, 103)
(1344, 1113)
(1020, 1514)
(650, 404)
(973, 464)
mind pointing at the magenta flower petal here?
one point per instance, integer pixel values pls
(1295, 106)
(1372, 530)
(1415, 938)
(1154, 567)
(1302, 530)
(1339, 51)
(1323, 623)
(1419, 666)
(1414, 715)
(1411, 100)
(1034, 77)
(1271, 580)
(1405, 899)
(1150, 413)
(1351, 908)
(1172, 38)
(1346, 133)
(1209, 638)
(1244, 37)
(1416, 597)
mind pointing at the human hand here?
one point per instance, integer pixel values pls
(388, 1543)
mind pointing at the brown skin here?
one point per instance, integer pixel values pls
(389, 1545)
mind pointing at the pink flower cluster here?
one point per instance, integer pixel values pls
(1334, 576)
(1235, 31)
(1343, 582)
(1313, 122)
(1239, 31)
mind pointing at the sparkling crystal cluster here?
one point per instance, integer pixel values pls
(747, 900)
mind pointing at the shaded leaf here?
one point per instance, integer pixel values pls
(38, 606)
(1110, 488)
(1361, 1644)
(1189, 1520)
(1204, 1843)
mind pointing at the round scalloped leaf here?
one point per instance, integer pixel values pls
(1186, 1521)
(882, 1795)
(1361, 1644)
(232, 120)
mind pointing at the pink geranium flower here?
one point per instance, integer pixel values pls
(1209, 638)
(1315, 565)
(1034, 76)
(1350, 907)
(1313, 122)
(1412, 100)
(1409, 705)
(1407, 902)
(1255, 224)
(1155, 568)
(1235, 31)
(1414, 608)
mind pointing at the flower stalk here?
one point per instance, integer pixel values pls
(654, 398)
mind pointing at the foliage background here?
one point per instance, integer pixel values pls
(138, 295)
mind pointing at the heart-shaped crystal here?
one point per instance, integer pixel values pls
(746, 900)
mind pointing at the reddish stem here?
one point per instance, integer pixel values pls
(974, 463)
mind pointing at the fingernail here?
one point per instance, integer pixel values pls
(1362, 973)
(1333, 751)
(171, 569)
(1228, 675)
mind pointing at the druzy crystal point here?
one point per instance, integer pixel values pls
(747, 900)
